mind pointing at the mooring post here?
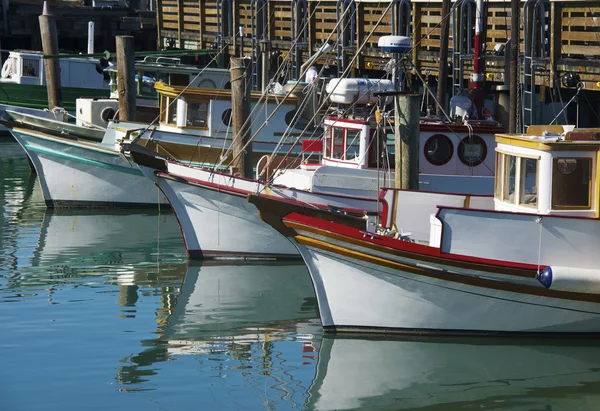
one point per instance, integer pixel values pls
(240, 110)
(126, 78)
(49, 36)
(406, 122)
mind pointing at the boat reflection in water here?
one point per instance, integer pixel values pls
(259, 318)
(465, 374)
(108, 235)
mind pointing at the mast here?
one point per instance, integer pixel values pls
(514, 60)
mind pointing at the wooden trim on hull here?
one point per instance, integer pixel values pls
(103, 204)
(423, 333)
(242, 256)
(441, 274)
(453, 260)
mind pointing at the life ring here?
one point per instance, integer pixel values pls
(7, 68)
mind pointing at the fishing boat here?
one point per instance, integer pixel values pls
(23, 79)
(523, 261)
(75, 171)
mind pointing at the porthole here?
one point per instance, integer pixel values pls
(438, 149)
(472, 151)
(226, 117)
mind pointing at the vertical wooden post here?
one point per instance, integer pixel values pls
(240, 111)
(126, 78)
(416, 34)
(406, 124)
(514, 61)
(159, 24)
(49, 35)
(443, 68)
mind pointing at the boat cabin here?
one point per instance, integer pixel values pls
(208, 111)
(27, 67)
(549, 171)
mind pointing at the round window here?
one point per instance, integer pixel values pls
(226, 116)
(472, 151)
(438, 149)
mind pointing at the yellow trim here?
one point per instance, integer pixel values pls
(356, 254)
(205, 93)
(519, 142)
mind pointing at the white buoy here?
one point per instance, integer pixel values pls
(90, 48)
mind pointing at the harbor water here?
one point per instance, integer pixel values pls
(102, 310)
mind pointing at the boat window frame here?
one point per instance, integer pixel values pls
(500, 178)
(590, 193)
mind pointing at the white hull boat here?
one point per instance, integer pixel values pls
(216, 220)
(75, 173)
(523, 262)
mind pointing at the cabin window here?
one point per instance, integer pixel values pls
(529, 172)
(327, 141)
(438, 149)
(510, 173)
(499, 175)
(31, 67)
(571, 183)
(352, 144)
(197, 114)
(337, 149)
(171, 111)
(472, 151)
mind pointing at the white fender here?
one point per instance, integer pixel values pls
(579, 280)
(7, 68)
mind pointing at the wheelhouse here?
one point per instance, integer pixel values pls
(545, 172)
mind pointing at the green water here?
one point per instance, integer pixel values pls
(102, 311)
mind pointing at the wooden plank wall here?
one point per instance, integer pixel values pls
(575, 31)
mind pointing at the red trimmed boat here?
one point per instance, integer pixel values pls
(522, 262)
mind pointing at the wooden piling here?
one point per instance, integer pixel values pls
(49, 36)
(240, 111)
(406, 124)
(126, 78)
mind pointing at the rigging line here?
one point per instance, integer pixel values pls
(265, 95)
(302, 74)
(446, 124)
(347, 70)
(185, 89)
(590, 105)
(579, 88)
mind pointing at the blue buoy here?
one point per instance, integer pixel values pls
(545, 277)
